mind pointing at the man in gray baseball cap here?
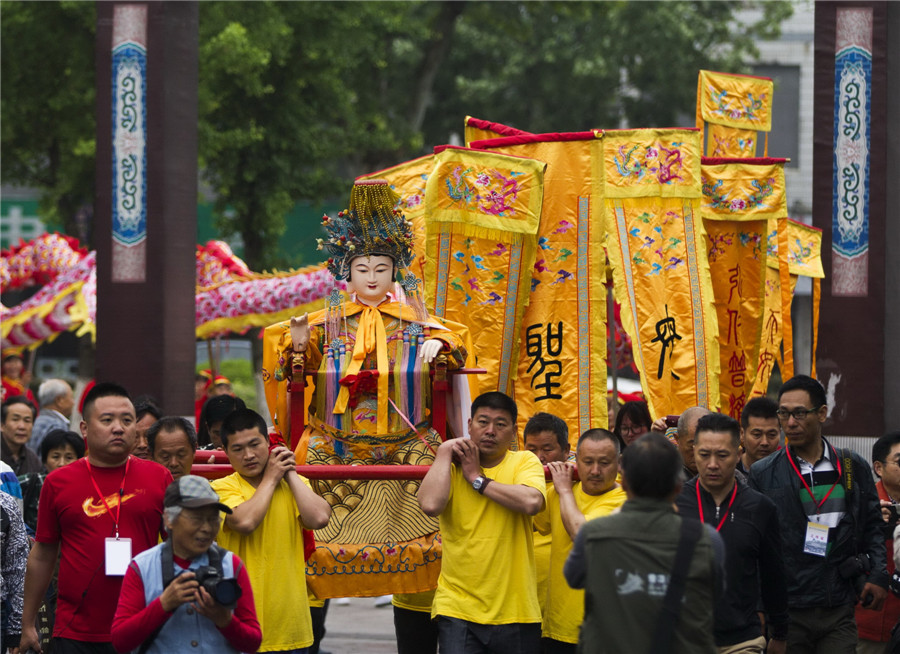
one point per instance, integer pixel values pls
(201, 595)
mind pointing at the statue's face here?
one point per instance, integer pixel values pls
(371, 278)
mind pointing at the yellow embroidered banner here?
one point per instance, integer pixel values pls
(408, 180)
(803, 244)
(483, 213)
(738, 101)
(662, 163)
(772, 333)
(737, 266)
(739, 195)
(804, 249)
(563, 336)
(743, 189)
(656, 248)
(724, 141)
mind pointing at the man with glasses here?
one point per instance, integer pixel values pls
(831, 524)
(485, 494)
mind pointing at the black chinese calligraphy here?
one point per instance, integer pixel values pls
(666, 335)
(544, 353)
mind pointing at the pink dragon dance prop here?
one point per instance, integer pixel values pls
(230, 297)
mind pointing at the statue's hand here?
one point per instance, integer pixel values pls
(300, 333)
(430, 349)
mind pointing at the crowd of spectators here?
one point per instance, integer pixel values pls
(695, 533)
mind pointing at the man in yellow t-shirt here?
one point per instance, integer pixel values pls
(547, 436)
(271, 504)
(485, 495)
(569, 506)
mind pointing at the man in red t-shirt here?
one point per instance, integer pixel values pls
(96, 514)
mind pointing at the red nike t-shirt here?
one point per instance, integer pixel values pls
(73, 514)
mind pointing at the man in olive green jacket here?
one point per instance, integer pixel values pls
(624, 561)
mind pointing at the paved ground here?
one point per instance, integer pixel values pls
(359, 628)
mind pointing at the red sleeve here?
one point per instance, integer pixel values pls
(243, 632)
(134, 622)
(48, 522)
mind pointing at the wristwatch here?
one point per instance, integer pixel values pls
(480, 483)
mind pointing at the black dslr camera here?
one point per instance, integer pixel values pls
(856, 569)
(224, 591)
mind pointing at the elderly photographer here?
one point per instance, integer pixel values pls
(187, 594)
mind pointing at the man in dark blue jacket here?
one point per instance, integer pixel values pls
(831, 524)
(747, 521)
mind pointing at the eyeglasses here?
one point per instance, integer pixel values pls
(798, 414)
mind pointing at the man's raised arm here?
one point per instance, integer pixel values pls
(435, 488)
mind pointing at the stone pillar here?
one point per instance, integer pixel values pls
(146, 198)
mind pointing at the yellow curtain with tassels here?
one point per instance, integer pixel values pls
(483, 212)
(562, 365)
(656, 247)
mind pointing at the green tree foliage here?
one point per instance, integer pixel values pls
(297, 98)
(47, 125)
(572, 66)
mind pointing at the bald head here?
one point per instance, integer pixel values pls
(687, 429)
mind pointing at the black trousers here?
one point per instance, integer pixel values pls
(416, 632)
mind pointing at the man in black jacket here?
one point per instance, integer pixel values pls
(747, 521)
(831, 524)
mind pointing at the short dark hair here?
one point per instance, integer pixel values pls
(599, 434)
(240, 420)
(813, 388)
(171, 423)
(497, 401)
(16, 399)
(60, 438)
(215, 409)
(543, 421)
(146, 408)
(721, 423)
(883, 446)
(636, 411)
(146, 405)
(105, 389)
(651, 467)
(759, 407)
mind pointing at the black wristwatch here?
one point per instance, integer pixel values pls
(480, 483)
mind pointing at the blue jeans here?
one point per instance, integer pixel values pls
(457, 636)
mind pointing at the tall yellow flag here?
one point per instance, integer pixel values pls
(804, 258)
(562, 368)
(656, 246)
(739, 195)
(483, 212)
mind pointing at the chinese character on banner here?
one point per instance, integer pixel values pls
(544, 353)
(666, 335)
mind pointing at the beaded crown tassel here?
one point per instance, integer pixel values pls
(372, 225)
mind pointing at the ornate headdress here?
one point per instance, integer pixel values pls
(373, 225)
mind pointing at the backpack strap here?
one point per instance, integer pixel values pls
(663, 636)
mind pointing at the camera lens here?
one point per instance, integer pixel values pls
(225, 591)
